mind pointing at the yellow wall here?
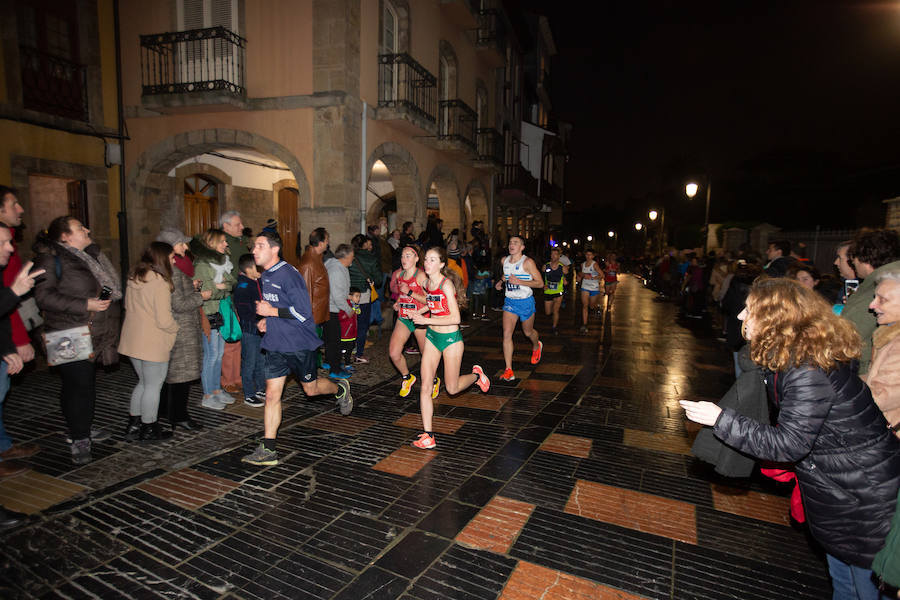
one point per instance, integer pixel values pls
(279, 47)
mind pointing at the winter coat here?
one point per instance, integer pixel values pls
(210, 267)
(856, 310)
(338, 286)
(747, 397)
(314, 274)
(237, 247)
(884, 372)
(846, 460)
(364, 266)
(148, 332)
(63, 299)
(184, 360)
(733, 303)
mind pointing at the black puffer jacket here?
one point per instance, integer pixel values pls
(847, 462)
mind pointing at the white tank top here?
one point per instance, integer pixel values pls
(590, 285)
(514, 290)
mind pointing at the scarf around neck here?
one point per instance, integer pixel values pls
(101, 269)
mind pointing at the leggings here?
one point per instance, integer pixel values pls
(145, 397)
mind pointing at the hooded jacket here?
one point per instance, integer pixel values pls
(846, 460)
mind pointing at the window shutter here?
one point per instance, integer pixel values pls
(191, 15)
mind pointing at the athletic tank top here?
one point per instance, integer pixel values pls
(514, 290)
(553, 279)
(437, 300)
(590, 285)
(611, 272)
(409, 305)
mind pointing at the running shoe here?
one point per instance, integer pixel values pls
(406, 385)
(483, 382)
(260, 394)
(343, 397)
(224, 397)
(262, 457)
(212, 401)
(424, 441)
(508, 375)
(412, 350)
(342, 374)
(436, 388)
(254, 401)
(536, 353)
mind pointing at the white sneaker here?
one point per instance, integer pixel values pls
(224, 397)
(213, 402)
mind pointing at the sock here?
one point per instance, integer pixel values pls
(269, 444)
(431, 433)
(407, 376)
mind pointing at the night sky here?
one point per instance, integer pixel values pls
(790, 106)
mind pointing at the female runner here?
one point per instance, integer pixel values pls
(443, 339)
(408, 281)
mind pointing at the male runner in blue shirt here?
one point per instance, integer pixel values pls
(290, 342)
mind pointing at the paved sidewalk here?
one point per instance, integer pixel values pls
(573, 482)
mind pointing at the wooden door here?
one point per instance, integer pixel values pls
(201, 204)
(289, 223)
(76, 192)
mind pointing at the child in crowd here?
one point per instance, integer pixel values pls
(349, 328)
(247, 293)
(480, 287)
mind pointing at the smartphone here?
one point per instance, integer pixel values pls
(850, 286)
(105, 293)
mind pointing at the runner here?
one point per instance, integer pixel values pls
(554, 284)
(290, 342)
(443, 291)
(407, 281)
(590, 286)
(520, 275)
(610, 278)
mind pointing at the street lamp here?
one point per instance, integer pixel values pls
(691, 191)
(611, 233)
(653, 214)
(575, 241)
(661, 215)
(638, 226)
(590, 238)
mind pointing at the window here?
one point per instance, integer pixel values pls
(208, 58)
(389, 23)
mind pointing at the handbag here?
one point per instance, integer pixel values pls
(68, 345)
(231, 327)
(373, 292)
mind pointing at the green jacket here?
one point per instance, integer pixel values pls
(365, 266)
(207, 265)
(887, 562)
(856, 310)
(237, 247)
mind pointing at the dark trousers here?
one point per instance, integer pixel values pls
(173, 401)
(332, 329)
(77, 396)
(363, 319)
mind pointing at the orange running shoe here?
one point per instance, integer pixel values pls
(536, 354)
(508, 375)
(483, 382)
(424, 441)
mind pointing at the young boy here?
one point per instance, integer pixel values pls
(349, 327)
(246, 294)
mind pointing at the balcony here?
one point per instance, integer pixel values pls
(53, 85)
(456, 127)
(490, 36)
(489, 149)
(199, 67)
(407, 94)
(518, 184)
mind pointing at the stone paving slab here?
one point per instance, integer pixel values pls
(575, 481)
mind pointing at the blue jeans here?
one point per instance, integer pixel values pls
(5, 441)
(211, 368)
(253, 364)
(850, 582)
(365, 313)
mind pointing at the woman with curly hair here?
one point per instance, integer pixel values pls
(847, 462)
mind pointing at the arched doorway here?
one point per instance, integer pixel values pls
(394, 188)
(443, 185)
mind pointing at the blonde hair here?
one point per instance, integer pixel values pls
(212, 237)
(794, 326)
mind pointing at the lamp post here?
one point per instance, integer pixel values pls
(691, 190)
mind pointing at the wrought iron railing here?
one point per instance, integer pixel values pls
(198, 60)
(489, 145)
(491, 29)
(404, 83)
(457, 122)
(516, 176)
(53, 85)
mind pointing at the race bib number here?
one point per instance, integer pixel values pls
(407, 309)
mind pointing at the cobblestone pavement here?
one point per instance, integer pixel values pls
(573, 482)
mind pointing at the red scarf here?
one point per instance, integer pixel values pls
(185, 264)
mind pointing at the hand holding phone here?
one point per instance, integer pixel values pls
(105, 293)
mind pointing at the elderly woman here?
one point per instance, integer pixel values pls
(213, 268)
(148, 334)
(184, 361)
(884, 372)
(69, 295)
(847, 462)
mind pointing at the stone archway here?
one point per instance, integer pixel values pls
(408, 189)
(444, 179)
(153, 201)
(476, 204)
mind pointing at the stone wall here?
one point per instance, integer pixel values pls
(256, 206)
